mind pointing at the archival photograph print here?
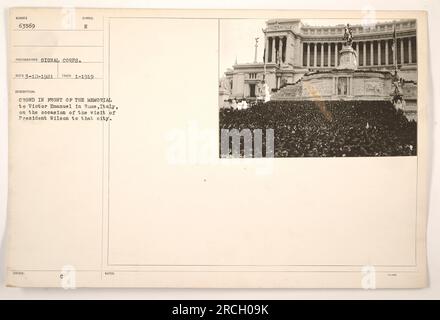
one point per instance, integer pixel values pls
(317, 88)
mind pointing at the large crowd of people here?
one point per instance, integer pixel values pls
(329, 128)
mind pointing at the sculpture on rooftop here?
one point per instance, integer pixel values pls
(348, 35)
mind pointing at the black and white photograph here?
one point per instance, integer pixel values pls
(318, 88)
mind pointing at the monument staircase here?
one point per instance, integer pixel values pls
(288, 92)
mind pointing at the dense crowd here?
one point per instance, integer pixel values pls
(329, 128)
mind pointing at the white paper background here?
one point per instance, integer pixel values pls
(432, 292)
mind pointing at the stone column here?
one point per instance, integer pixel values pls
(315, 50)
(273, 50)
(372, 53)
(299, 43)
(266, 52)
(379, 53)
(402, 45)
(334, 86)
(386, 52)
(409, 50)
(322, 54)
(329, 55)
(364, 54)
(280, 49)
(349, 86)
(336, 54)
(308, 54)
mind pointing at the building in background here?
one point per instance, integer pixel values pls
(293, 50)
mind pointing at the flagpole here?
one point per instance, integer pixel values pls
(395, 49)
(266, 52)
(264, 56)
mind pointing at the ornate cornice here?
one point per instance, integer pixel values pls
(361, 37)
(380, 30)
